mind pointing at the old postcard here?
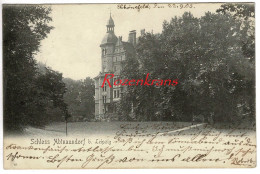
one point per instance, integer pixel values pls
(95, 86)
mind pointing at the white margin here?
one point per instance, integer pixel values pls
(128, 171)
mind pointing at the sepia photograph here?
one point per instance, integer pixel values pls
(129, 86)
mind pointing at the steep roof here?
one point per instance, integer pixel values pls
(110, 22)
(109, 38)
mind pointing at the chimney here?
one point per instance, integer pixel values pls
(142, 32)
(132, 37)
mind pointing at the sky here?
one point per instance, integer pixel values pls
(73, 46)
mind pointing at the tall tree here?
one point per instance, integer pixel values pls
(212, 56)
(49, 93)
(87, 98)
(80, 97)
(244, 68)
(24, 26)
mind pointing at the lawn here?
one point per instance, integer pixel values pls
(102, 128)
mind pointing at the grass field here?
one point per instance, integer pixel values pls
(102, 128)
(58, 129)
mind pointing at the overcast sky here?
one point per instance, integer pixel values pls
(72, 47)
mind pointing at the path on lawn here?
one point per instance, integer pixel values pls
(106, 128)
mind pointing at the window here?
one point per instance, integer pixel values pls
(115, 79)
(114, 93)
(104, 99)
(105, 87)
(114, 68)
(117, 93)
(104, 52)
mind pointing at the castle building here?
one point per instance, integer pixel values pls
(114, 51)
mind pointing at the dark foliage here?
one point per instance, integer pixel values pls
(80, 97)
(213, 58)
(30, 95)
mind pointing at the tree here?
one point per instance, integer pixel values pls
(80, 97)
(87, 98)
(240, 10)
(245, 68)
(212, 56)
(28, 95)
(49, 93)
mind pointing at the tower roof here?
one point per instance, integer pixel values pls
(109, 38)
(110, 22)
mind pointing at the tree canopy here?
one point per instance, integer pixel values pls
(213, 59)
(31, 92)
(80, 97)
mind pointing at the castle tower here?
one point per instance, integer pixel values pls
(108, 47)
(113, 52)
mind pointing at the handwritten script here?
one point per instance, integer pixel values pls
(140, 7)
(137, 146)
